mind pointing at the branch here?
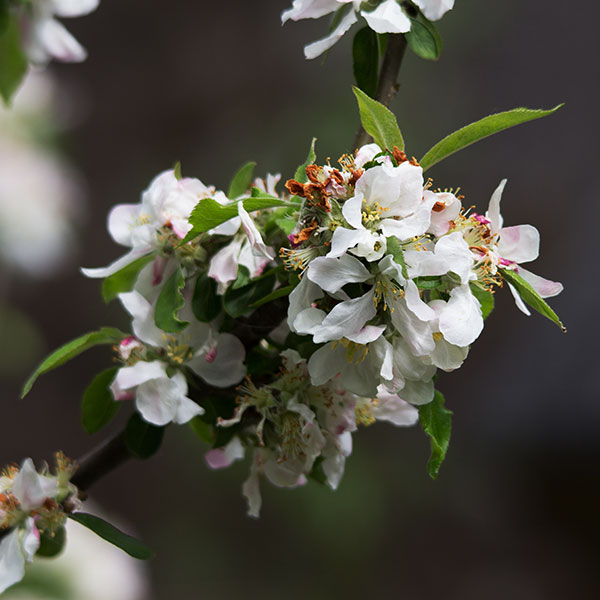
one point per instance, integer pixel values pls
(387, 86)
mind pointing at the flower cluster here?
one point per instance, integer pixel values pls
(32, 508)
(382, 16)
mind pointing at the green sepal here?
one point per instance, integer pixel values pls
(436, 421)
(428, 282)
(301, 175)
(423, 38)
(485, 299)
(98, 407)
(531, 297)
(113, 535)
(104, 336)
(169, 303)
(206, 304)
(479, 130)
(13, 62)
(395, 249)
(365, 57)
(52, 544)
(123, 280)
(379, 122)
(242, 181)
(142, 439)
(177, 171)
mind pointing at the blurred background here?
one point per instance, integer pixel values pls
(514, 512)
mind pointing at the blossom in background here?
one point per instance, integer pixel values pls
(387, 16)
(46, 38)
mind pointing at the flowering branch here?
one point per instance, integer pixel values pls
(387, 85)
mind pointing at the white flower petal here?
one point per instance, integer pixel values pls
(58, 43)
(73, 8)
(143, 324)
(544, 287)
(520, 243)
(367, 334)
(129, 377)
(12, 562)
(332, 274)
(343, 239)
(388, 17)
(493, 212)
(518, 300)
(317, 48)
(309, 9)
(415, 304)
(309, 321)
(418, 392)
(301, 298)
(224, 368)
(221, 458)
(390, 407)
(120, 263)
(366, 154)
(31, 489)
(253, 234)
(460, 322)
(434, 10)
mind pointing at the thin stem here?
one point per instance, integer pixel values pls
(387, 85)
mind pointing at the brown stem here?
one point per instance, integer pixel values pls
(388, 79)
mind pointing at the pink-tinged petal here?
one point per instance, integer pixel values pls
(493, 212)
(121, 220)
(73, 8)
(367, 334)
(12, 562)
(129, 377)
(415, 304)
(388, 17)
(544, 287)
(31, 489)
(226, 367)
(254, 237)
(221, 458)
(224, 264)
(343, 239)
(519, 244)
(317, 48)
(31, 539)
(460, 322)
(301, 298)
(518, 300)
(390, 407)
(58, 42)
(346, 318)
(434, 10)
(101, 272)
(332, 274)
(309, 9)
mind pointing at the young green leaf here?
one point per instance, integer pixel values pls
(113, 535)
(531, 297)
(428, 282)
(278, 293)
(98, 406)
(203, 430)
(423, 38)
(365, 56)
(379, 122)
(177, 171)
(208, 213)
(485, 298)
(241, 181)
(436, 421)
(394, 248)
(141, 438)
(238, 302)
(481, 129)
(106, 335)
(169, 303)
(300, 175)
(123, 281)
(206, 305)
(13, 62)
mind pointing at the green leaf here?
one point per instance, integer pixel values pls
(243, 277)
(123, 281)
(485, 298)
(278, 293)
(52, 544)
(365, 55)
(238, 302)
(428, 282)
(141, 438)
(241, 181)
(481, 129)
(436, 421)
(300, 175)
(98, 406)
(13, 62)
(203, 430)
(177, 171)
(206, 305)
(531, 297)
(169, 303)
(394, 248)
(208, 213)
(106, 335)
(423, 38)
(379, 122)
(113, 535)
